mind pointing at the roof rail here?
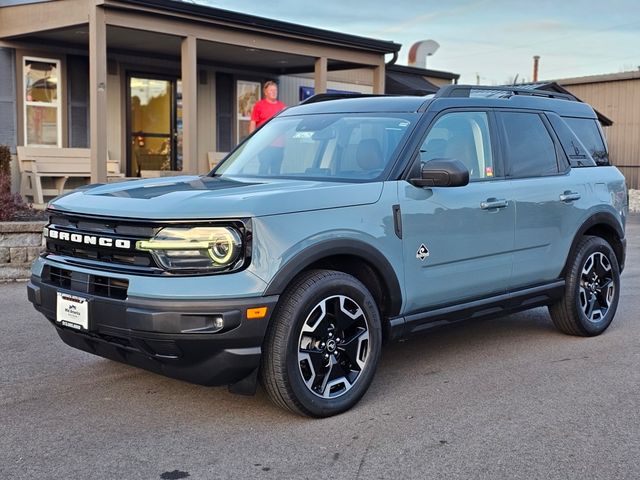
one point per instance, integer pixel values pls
(449, 91)
(324, 97)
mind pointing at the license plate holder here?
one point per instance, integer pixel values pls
(72, 311)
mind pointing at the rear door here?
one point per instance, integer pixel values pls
(458, 241)
(548, 199)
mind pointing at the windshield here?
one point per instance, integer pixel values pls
(355, 147)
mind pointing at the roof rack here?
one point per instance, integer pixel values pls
(324, 97)
(450, 91)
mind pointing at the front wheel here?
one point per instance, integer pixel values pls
(323, 347)
(591, 292)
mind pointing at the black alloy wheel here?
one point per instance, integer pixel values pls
(322, 347)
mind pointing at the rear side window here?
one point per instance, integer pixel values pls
(529, 149)
(576, 152)
(586, 129)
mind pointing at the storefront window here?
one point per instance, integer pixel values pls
(42, 115)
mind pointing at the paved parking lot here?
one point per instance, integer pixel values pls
(504, 398)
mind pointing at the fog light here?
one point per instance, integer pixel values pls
(218, 323)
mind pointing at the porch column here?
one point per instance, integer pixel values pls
(189, 105)
(378, 78)
(320, 77)
(98, 94)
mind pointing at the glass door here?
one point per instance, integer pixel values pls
(153, 127)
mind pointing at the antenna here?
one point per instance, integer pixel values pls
(419, 52)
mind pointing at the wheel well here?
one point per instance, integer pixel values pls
(364, 272)
(605, 232)
(610, 235)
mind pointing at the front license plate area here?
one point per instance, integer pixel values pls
(72, 311)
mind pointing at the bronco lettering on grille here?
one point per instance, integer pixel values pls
(87, 239)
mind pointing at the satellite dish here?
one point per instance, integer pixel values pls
(419, 52)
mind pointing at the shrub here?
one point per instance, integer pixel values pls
(11, 204)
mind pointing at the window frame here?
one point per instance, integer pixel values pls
(57, 104)
(496, 151)
(562, 162)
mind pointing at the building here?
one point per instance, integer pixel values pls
(617, 96)
(399, 80)
(158, 85)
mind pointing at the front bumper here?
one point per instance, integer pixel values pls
(167, 336)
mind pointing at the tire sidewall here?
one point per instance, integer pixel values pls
(594, 245)
(335, 285)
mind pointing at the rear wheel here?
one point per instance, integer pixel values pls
(591, 292)
(322, 348)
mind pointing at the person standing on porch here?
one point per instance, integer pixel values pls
(267, 107)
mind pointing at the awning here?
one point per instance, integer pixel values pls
(401, 83)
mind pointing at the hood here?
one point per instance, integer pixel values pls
(196, 197)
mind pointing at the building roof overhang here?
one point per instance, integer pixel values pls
(203, 13)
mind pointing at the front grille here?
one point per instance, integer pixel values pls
(95, 254)
(98, 285)
(141, 259)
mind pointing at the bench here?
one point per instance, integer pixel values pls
(55, 166)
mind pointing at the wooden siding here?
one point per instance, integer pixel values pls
(620, 101)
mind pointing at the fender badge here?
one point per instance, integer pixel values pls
(423, 252)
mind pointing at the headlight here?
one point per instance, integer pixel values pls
(196, 248)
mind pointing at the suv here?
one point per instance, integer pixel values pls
(342, 223)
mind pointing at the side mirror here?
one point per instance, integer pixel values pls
(442, 172)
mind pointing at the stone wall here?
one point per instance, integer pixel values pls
(634, 201)
(20, 244)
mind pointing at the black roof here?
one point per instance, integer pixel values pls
(425, 72)
(253, 21)
(449, 96)
(407, 84)
(556, 87)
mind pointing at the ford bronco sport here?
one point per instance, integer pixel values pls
(341, 223)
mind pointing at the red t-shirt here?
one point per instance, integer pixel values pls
(263, 110)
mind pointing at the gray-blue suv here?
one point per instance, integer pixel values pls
(342, 223)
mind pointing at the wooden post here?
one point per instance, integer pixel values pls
(98, 94)
(378, 79)
(189, 105)
(320, 78)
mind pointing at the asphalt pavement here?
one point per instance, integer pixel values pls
(507, 397)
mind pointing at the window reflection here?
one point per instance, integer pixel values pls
(42, 102)
(41, 81)
(151, 124)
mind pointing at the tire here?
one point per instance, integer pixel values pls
(322, 347)
(592, 290)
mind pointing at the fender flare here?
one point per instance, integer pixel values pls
(606, 219)
(330, 248)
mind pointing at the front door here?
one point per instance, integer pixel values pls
(154, 123)
(458, 241)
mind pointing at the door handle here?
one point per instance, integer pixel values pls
(491, 203)
(569, 196)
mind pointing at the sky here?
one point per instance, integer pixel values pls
(490, 40)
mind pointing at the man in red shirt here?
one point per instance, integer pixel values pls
(266, 108)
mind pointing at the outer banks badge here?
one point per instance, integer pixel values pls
(422, 253)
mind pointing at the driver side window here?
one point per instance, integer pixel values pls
(462, 136)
